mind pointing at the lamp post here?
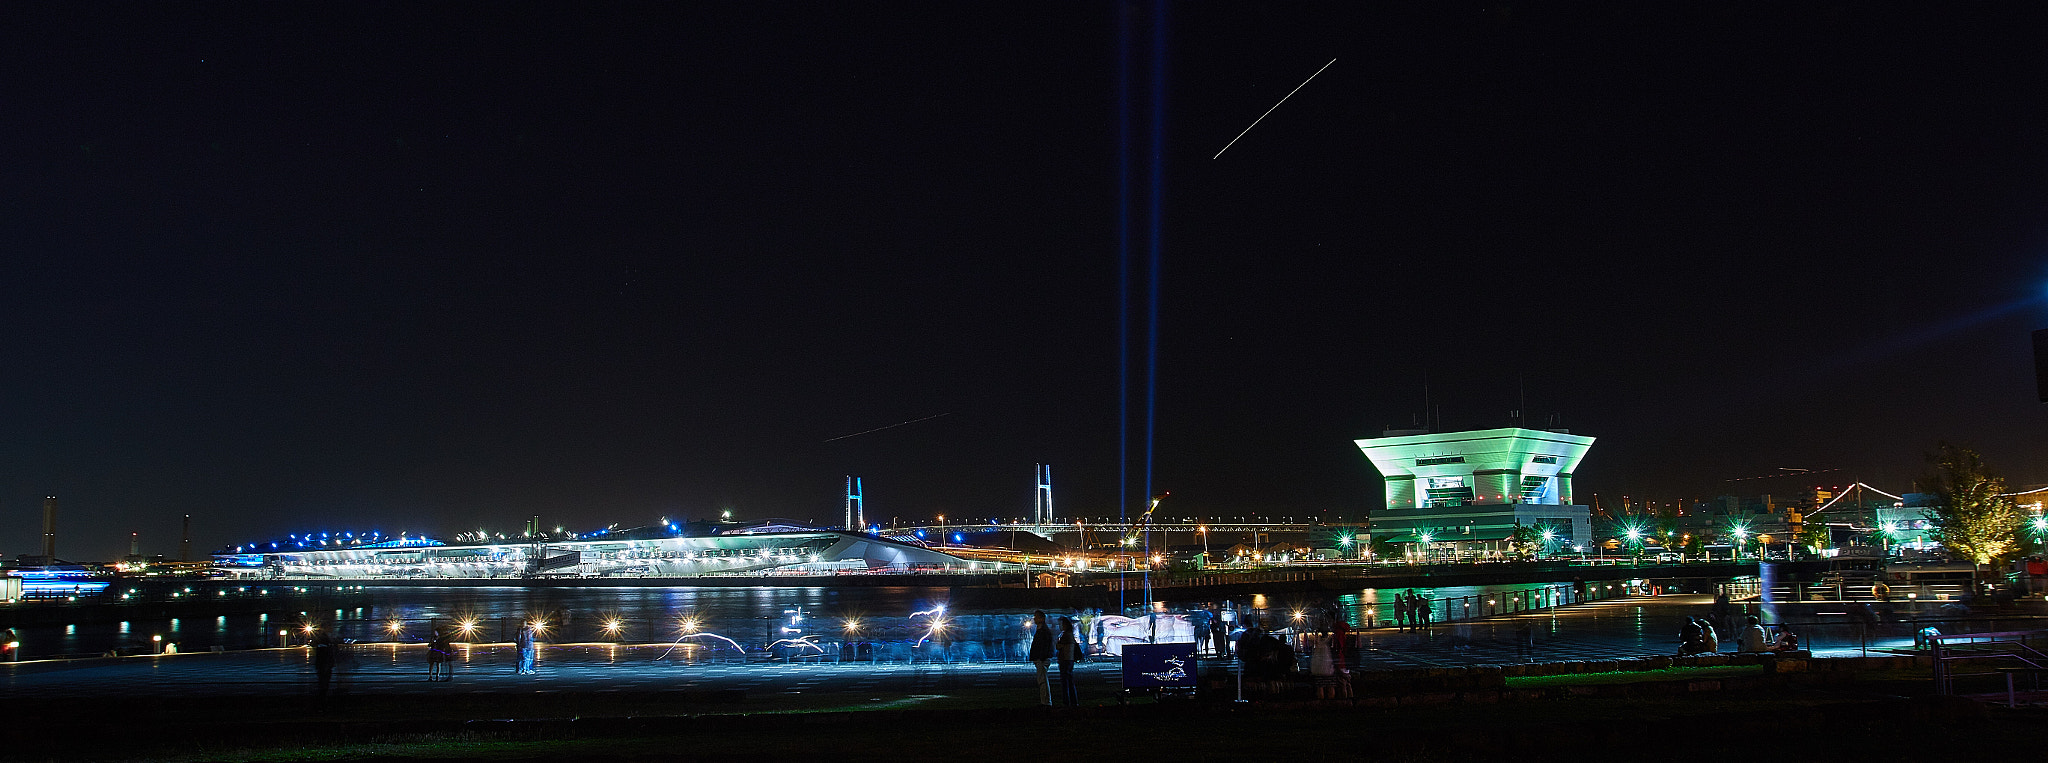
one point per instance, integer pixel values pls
(1635, 543)
(1204, 531)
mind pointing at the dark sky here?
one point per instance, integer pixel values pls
(321, 266)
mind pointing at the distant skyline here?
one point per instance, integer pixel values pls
(421, 268)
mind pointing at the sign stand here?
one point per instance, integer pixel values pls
(1160, 669)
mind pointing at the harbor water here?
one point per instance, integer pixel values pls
(244, 616)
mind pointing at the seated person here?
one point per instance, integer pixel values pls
(1753, 638)
(1789, 642)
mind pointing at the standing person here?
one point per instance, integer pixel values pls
(1401, 611)
(1251, 655)
(323, 659)
(1041, 655)
(1086, 628)
(1199, 619)
(1340, 649)
(1323, 668)
(1340, 633)
(524, 644)
(1219, 635)
(437, 655)
(1069, 650)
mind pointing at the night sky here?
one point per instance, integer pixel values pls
(428, 266)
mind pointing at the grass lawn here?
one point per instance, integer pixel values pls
(1201, 731)
(1632, 676)
(983, 725)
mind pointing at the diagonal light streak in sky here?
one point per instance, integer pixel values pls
(891, 426)
(1269, 112)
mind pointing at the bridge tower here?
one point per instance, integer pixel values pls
(856, 510)
(1041, 501)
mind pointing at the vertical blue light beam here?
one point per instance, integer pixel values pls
(1156, 224)
(1123, 276)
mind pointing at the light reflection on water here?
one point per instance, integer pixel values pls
(645, 614)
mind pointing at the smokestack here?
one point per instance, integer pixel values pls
(134, 544)
(185, 546)
(49, 529)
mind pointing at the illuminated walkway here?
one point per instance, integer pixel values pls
(1605, 630)
(385, 669)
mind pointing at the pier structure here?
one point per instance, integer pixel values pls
(647, 553)
(1458, 494)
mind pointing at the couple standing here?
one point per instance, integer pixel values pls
(1044, 649)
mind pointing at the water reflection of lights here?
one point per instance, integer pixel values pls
(800, 640)
(938, 624)
(679, 642)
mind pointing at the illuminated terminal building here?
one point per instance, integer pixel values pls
(1463, 493)
(644, 553)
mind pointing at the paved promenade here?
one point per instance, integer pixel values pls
(1603, 630)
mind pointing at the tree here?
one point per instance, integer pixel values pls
(1815, 536)
(1974, 518)
(1525, 542)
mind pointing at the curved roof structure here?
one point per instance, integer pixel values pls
(1508, 465)
(750, 554)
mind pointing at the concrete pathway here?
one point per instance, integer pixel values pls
(1610, 629)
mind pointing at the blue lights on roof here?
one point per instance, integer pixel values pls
(414, 542)
(54, 583)
(330, 541)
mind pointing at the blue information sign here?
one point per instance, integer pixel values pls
(1159, 666)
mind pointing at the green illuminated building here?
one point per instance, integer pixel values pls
(1463, 493)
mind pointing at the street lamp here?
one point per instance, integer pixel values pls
(1635, 534)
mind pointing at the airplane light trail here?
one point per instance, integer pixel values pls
(891, 426)
(1283, 99)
